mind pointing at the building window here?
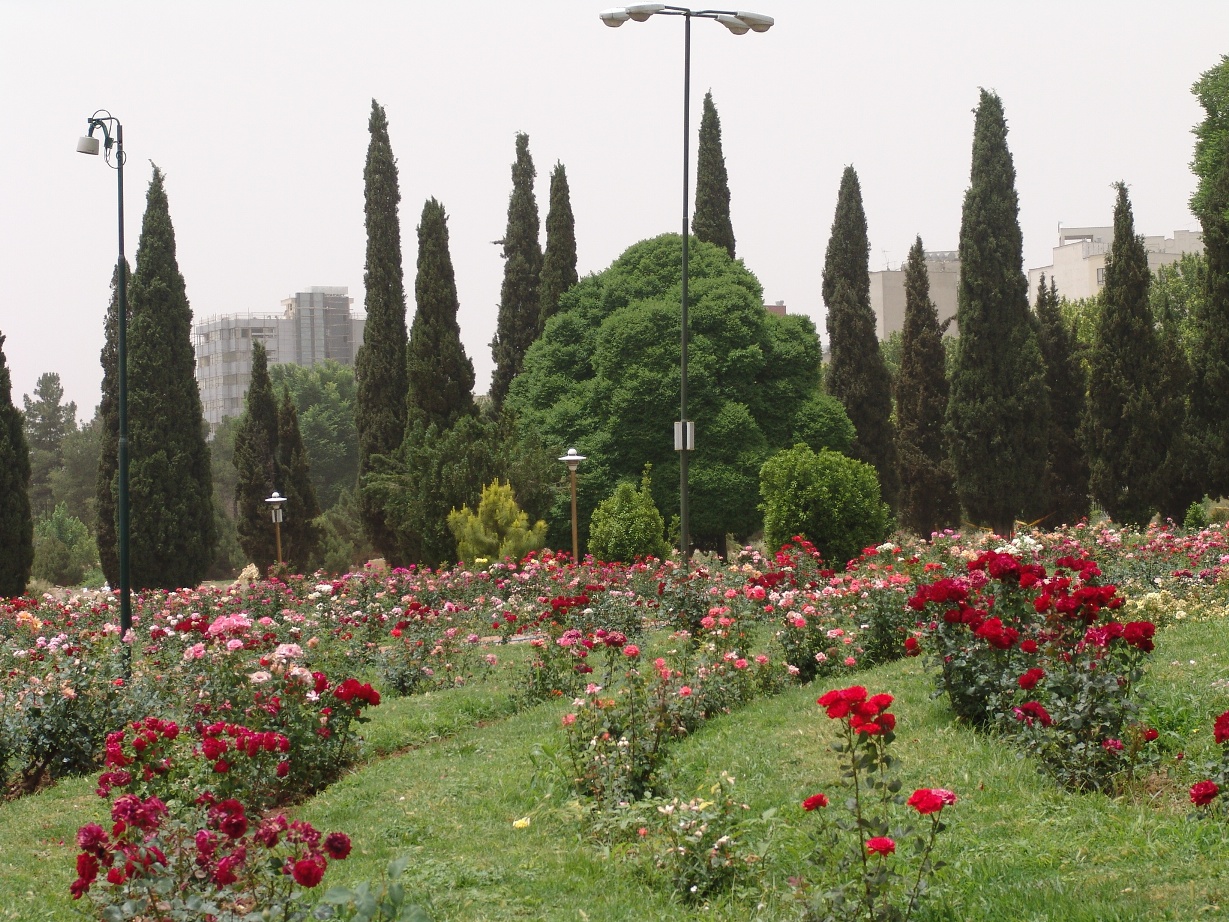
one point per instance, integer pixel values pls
(1101, 276)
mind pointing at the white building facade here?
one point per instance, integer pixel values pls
(1078, 263)
(888, 293)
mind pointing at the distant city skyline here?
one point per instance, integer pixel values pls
(258, 115)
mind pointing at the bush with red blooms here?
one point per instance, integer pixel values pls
(1040, 656)
(212, 861)
(1206, 795)
(873, 882)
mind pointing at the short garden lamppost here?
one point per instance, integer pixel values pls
(572, 460)
(276, 501)
(113, 146)
(739, 22)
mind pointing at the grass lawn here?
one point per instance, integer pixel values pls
(448, 773)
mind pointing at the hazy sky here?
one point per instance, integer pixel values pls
(257, 112)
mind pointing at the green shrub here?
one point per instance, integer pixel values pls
(1196, 516)
(63, 548)
(822, 423)
(627, 525)
(828, 498)
(498, 529)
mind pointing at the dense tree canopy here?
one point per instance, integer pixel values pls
(324, 396)
(16, 523)
(107, 484)
(48, 422)
(255, 459)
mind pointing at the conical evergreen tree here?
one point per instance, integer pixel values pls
(559, 260)
(998, 409)
(1066, 484)
(711, 221)
(857, 375)
(380, 367)
(256, 450)
(170, 480)
(48, 421)
(927, 486)
(16, 522)
(1180, 478)
(1123, 416)
(107, 484)
(300, 533)
(440, 374)
(517, 325)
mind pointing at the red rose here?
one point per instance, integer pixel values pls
(337, 844)
(926, 801)
(814, 802)
(1203, 793)
(880, 845)
(283, 769)
(1221, 730)
(1029, 680)
(1139, 635)
(911, 646)
(1032, 710)
(308, 872)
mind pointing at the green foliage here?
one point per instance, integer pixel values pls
(324, 396)
(997, 408)
(48, 423)
(1196, 516)
(711, 221)
(627, 525)
(1211, 159)
(171, 492)
(300, 533)
(1123, 421)
(821, 422)
(343, 543)
(440, 374)
(255, 459)
(63, 549)
(517, 325)
(1178, 292)
(497, 529)
(380, 367)
(928, 490)
(828, 498)
(1066, 486)
(856, 373)
(73, 483)
(381, 901)
(559, 258)
(107, 483)
(16, 522)
(1182, 477)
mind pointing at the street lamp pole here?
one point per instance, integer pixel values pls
(572, 460)
(738, 22)
(104, 121)
(276, 501)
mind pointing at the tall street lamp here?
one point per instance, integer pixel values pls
(572, 460)
(113, 145)
(276, 501)
(739, 22)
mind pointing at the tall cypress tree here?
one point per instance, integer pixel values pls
(711, 221)
(440, 374)
(380, 367)
(16, 522)
(1123, 421)
(1180, 478)
(255, 458)
(559, 259)
(998, 407)
(300, 534)
(517, 325)
(1066, 484)
(927, 486)
(106, 490)
(857, 375)
(170, 480)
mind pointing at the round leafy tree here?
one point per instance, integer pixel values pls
(627, 525)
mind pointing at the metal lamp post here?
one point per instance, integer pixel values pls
(572, 460)
(739, 22)
(276, 501)
(113, 145)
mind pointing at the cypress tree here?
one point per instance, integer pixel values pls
(170, 481)
(559, 259)
(998, 408)
(711, 220)
(440, 374)
(16, 522)
(380, 367)
(857, 375)
(1180, 478)
(1066, 483)
(1123, 422)
(255, 459)
(927, 487)
(107, 483)
(300, 534)
(517, 326)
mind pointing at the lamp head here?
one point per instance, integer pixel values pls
(615, 17)
(276, 500)
(572, 459)
(642, 11)
(88, 144)
(758, 22)
(733, 23)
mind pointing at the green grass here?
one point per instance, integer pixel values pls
(449, 773)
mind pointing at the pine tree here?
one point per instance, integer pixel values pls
(170, 482)
(856, 374)
(440, 374)
(1066, 483)
(107, 484)
(380, 367)
(559, 259)
(48, 421)
(998, 408)
(300, 533)
(1180, 478)
(711, 221)
(517, 325)
(16, 522)
(255, 459)
(927, 487)
(1123, 416)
